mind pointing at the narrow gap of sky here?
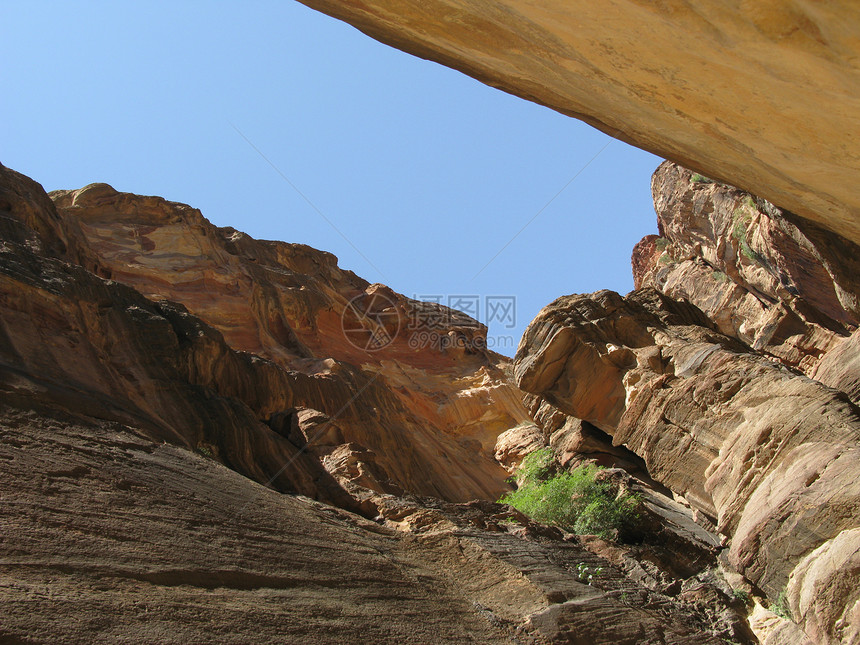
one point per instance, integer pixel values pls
(426, 172)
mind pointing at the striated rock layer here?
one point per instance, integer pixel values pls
(769, 455)
(145, 453)
(328, 361)
(780, 285)
(760, 94)
(732, 371)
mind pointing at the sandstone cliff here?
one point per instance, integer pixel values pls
(708, 381)
(782, 286)
(399, 417)
(760, 94)
(146, 453)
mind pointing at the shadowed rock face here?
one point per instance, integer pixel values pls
(760, 94)
(770, 455)
(144, 456)
(115, 538)
(423, 416)
(780, 285)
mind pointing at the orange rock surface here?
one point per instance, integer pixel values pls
(429, 415)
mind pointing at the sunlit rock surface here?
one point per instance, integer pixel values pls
(409, 383)
(151, 460)
(782, 286)
(770, 455)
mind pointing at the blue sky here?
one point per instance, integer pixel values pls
(427, 176)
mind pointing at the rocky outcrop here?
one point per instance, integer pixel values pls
(115, 538)
(348, 367)
(767, 454)
(126, 388)
(780, 285)
(759, 94)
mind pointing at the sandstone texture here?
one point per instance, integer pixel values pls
(732, 372)
(768, 455)
(782, 286)
(344, 372)
(178, 472)
(763, 95)
(113, 538)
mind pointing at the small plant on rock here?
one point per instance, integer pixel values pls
(741, 596)
(586, 574)
(780, 607)
(579, 501)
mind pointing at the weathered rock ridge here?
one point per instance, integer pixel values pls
(782, 286)
(704, 373)
(764, 95)
(148, 435)
(421, 419)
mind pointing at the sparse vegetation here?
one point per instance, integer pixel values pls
(578, 501)
(586, 574)
(741, 596)
(780, 607)
(666, 258)
(739, 233)
(205, 449)
(719, 276)
(661, 243)
(701, 179)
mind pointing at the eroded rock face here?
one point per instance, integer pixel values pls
(425, 413)
(120, 412)
(759, 94)
(783, 287)
(769, 454)
(119, 538)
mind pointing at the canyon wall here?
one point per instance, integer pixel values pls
(763, 95)
(171, 300)
(732, 371)
(199, 444)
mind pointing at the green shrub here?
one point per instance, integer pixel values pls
(701, 179)
(576, 501)
(741, 596)
(739, 233)
(661, 243)
(780, 607)
(536, 466)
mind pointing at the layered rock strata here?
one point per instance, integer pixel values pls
(780, 285)
(112, 537)
(769, 455)
(277, 327)
(760, 94)
(146, 454)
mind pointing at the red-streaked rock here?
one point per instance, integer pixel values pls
(782, 286)
(771, 455)
(437, 397)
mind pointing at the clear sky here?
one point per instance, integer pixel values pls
(426, 177)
